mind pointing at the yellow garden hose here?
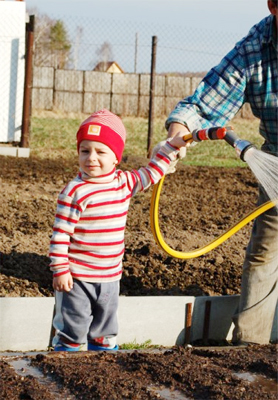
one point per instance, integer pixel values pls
(212, 245)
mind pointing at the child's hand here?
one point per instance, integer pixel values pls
(157, 147)
(176, 141)
(63, 283)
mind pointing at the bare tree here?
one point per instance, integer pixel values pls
(104, 53)
(79, 33)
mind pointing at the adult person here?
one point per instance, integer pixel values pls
(248, 73)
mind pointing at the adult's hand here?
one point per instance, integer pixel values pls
(173, 130)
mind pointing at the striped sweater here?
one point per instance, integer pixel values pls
(88, 232)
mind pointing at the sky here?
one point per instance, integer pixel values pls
(229, 15)
(193, 35)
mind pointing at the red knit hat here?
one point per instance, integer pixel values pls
(105, 127)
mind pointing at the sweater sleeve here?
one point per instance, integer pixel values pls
(142, 179)
(217, 98)
(67, 215)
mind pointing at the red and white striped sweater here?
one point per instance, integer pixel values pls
(88, 232)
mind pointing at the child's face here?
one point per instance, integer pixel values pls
(95, 158)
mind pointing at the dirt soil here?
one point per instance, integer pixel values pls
(197, 205)
(178, 373)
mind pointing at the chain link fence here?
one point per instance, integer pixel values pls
(80, 65)
(73, 58)
(181, 49)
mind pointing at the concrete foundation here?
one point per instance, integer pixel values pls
(26, 322)
(14, 151)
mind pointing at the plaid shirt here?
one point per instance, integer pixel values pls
(248, 73)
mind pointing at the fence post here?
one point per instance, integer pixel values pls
(152, 91)
(26, 112)
(135, 55)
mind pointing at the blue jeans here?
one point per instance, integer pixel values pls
(259, 288)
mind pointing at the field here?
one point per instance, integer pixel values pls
(199, 202)
(197, 205)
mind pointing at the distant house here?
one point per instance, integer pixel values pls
(108, 66)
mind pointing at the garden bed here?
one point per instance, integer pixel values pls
(197, 205)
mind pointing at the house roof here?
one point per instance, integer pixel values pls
(103, 66)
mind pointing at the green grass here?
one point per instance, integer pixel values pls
(54, 136)
(136, 346)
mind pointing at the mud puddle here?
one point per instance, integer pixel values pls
(23, 368)
(167, 394)
(258, 381)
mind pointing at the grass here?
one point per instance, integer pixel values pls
(54, 135)
(136, 346)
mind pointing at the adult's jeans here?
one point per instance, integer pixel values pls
(259, 288)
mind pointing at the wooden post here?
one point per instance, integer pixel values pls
(26, 113)
(136, 51)
(188, 322)
(152, 91)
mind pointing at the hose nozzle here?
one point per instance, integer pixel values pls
(214, 133)
(217, 133)
(241, 146)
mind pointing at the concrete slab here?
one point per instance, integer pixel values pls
(8, 151)
(220, 326)
(26, 322)
(160, 319)
(23, 152)
(14, 151)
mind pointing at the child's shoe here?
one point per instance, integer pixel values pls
(68, 347)
(92, 347)
(104, 343)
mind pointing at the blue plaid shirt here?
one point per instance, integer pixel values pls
(248, 73)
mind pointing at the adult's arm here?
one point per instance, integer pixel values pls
(217, 99)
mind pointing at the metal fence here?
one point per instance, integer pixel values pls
(73, 55)
(180, 49)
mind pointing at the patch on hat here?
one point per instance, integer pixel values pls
(94, 130)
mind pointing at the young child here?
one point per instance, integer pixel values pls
(87, 244)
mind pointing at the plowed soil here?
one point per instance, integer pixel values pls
(197, 205)
(177, 373)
